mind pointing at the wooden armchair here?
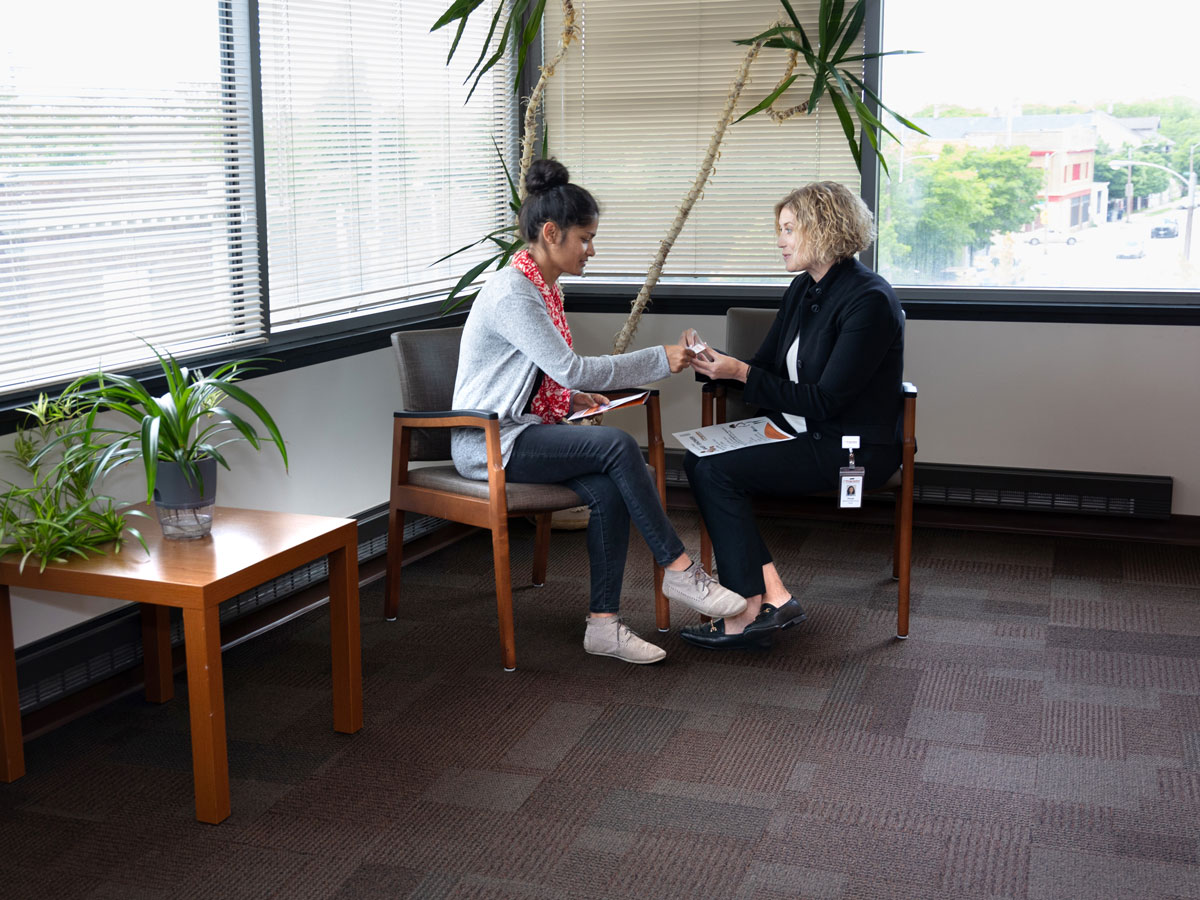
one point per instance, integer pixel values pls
(721, 402)
(428, 363)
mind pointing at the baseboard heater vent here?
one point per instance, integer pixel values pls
(1044, 490)
(61, 664)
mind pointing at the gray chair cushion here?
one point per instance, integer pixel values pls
(522, 497)
(427, 362)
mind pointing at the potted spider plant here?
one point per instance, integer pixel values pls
(52, 513)
(178, 435)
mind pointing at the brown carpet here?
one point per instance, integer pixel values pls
(1037, 737)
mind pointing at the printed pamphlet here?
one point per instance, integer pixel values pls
(731, 436)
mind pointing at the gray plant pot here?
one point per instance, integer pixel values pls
(184, 510)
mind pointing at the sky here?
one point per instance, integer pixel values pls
(1040, 51)
(174, 41)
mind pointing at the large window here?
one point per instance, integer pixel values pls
(127, 207)
(1014, 185)
(134, 200)
(375, 168)
(631, 111)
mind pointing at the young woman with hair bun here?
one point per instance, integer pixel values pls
(516, 358)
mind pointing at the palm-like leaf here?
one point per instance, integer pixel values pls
(461, 10)
(181, 425)
(829, 62)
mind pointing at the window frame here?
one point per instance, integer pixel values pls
(308, 345)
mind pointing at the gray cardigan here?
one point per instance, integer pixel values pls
(508, 337)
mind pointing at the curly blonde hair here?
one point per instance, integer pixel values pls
(834, 221)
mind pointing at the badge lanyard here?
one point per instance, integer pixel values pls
(851, 477)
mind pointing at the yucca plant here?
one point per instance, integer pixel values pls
(507, 239)
(832, 64)
(186, 425)
(56, 515)
(461, 10)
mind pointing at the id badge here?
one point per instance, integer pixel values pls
(850, 486)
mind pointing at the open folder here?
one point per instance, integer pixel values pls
(632, 400)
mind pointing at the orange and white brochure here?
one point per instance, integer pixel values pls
(632, 400)
(731, 436)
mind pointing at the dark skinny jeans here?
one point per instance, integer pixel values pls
(605, 467)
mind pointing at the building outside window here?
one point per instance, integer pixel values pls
(1013, 187)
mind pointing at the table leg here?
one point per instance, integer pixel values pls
(157, 663)
(206, 707)
(345, 639)
(12, 753)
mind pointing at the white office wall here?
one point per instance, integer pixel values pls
(336, 419)
(1111, 398)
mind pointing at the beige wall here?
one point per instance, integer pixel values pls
(1092, 398)
(1102, 398)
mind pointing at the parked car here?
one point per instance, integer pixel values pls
(1132, 249)
(1167, 228)
(1050, 236)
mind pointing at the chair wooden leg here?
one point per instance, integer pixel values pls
(896, 535)
(662, 607)
(541, 548)
(705, 548)
(395, 561)
(903, 560)
(504, 604)
(658, 459)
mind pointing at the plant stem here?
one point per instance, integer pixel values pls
(569, 33)
(625, 335)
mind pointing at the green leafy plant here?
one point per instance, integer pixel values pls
(461, 10)
(831, 62)
(507, 239)
(56, 515)
(185, 425)
(834, 72)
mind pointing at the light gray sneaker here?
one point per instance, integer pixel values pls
(701, 592)
(609, 636)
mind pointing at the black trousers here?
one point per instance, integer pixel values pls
(724, 486)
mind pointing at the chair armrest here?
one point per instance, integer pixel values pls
(446, 418)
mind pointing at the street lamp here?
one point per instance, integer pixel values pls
(925, 156)
(1190, 182)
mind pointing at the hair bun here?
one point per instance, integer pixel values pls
(545, 175)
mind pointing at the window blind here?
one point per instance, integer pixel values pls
(631, 111)
(127, 209)
(375, 168)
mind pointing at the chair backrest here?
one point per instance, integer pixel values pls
(428, 363)
(745, 329)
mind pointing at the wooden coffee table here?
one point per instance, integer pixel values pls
(246, 548)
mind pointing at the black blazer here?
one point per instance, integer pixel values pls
(850, 362)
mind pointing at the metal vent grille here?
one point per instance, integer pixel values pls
(1044, 490)
(1041, 490)
(100, 648)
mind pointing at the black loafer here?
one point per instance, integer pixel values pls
(772, 618)
(712, 636)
